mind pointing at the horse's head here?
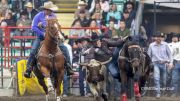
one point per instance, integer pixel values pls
(94, 67)
(53, 29)
(134, 53)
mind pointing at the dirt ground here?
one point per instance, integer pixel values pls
(75, 98)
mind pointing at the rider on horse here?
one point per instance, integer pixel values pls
(38, 26)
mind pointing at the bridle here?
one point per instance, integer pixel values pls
(134, 46)
(53, 35)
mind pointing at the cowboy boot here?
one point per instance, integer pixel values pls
(69, 68)
(29, 66)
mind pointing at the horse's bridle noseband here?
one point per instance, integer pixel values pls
(134, 46)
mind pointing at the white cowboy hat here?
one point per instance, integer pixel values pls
(29, 4)
(49, 5)
(82, 3)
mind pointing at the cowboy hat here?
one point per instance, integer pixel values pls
(83, 3)
(29, 4)
(159, 34)
(50, 6)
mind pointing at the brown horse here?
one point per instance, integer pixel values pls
(50, 60)
(133, 63)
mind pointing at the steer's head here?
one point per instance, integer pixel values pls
(94, 67)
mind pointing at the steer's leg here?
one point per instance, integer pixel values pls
(94, 91)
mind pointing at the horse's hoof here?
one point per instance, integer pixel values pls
(58, 98)
(51, 90)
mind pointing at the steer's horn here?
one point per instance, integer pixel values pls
(103, 63)
(83, 64)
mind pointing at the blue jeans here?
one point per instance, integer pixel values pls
(65, 84)
(159, 76)
(82, 77)
(34, 50)
(175, 77)
(35, 47)
(65, 52)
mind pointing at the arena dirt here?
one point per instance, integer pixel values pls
(73, 98)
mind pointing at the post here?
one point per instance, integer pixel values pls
(1, 67)
(154, 17)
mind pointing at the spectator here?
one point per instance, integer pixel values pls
(24, 19)
(111, 32)
(122, 31)
(82, 6)
(105, 8)
(4, 6)
(15, 5)
(127, 19)
(83, 19)
(130, 9)
(98, 17)
(161, 57)
(76, 32)
(2, 16)
(113, 14)
(148, 25)
(21, 31)
(3, 41)
(104, 5)
(30, 11)
(95, 31)
(9, 19)
(2, 33)
(175, 49)
(91, 5)
(97, 9)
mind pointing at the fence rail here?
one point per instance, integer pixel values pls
(15, 48)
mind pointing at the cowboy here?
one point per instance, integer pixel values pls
(161, 57)
(38, 27)
(82, 6)
(30, 11)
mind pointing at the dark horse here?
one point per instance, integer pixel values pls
(50, 60)
(136, 64)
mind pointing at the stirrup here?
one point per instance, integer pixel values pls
(28, 74)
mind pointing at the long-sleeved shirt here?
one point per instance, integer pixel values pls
(116, 15)
(160, 52)
(69, 51)
(175, 49)
(40, 17)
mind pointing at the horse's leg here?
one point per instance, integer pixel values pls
(42, 83)
(136, 86)
(123, 85)
(46, 72)
(58, 80)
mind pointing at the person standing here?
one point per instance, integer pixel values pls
(175, 49)
(161, 57)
